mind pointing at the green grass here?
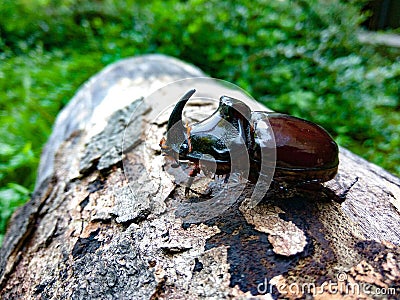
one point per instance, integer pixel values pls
(296, 56)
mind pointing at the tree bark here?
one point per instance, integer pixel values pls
(106, 220)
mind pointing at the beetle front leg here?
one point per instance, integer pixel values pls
(226, 179)
(192, 175)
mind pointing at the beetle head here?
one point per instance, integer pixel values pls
(204, 137)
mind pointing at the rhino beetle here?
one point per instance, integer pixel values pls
(305, 152)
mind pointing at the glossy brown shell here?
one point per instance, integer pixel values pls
(304, 150)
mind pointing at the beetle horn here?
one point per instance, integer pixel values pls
(176, 115)
(175, 129)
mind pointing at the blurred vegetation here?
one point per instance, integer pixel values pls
(297, 56)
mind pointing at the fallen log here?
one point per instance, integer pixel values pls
(107, 220)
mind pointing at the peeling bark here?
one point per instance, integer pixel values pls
(108, 220)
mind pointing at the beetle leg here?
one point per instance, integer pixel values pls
(342, 196)
(192, 175)
(227, 177)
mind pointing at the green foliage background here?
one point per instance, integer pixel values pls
(297, 56)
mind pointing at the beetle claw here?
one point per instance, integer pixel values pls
(192, 175)
(188, 185)
(342, 196)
